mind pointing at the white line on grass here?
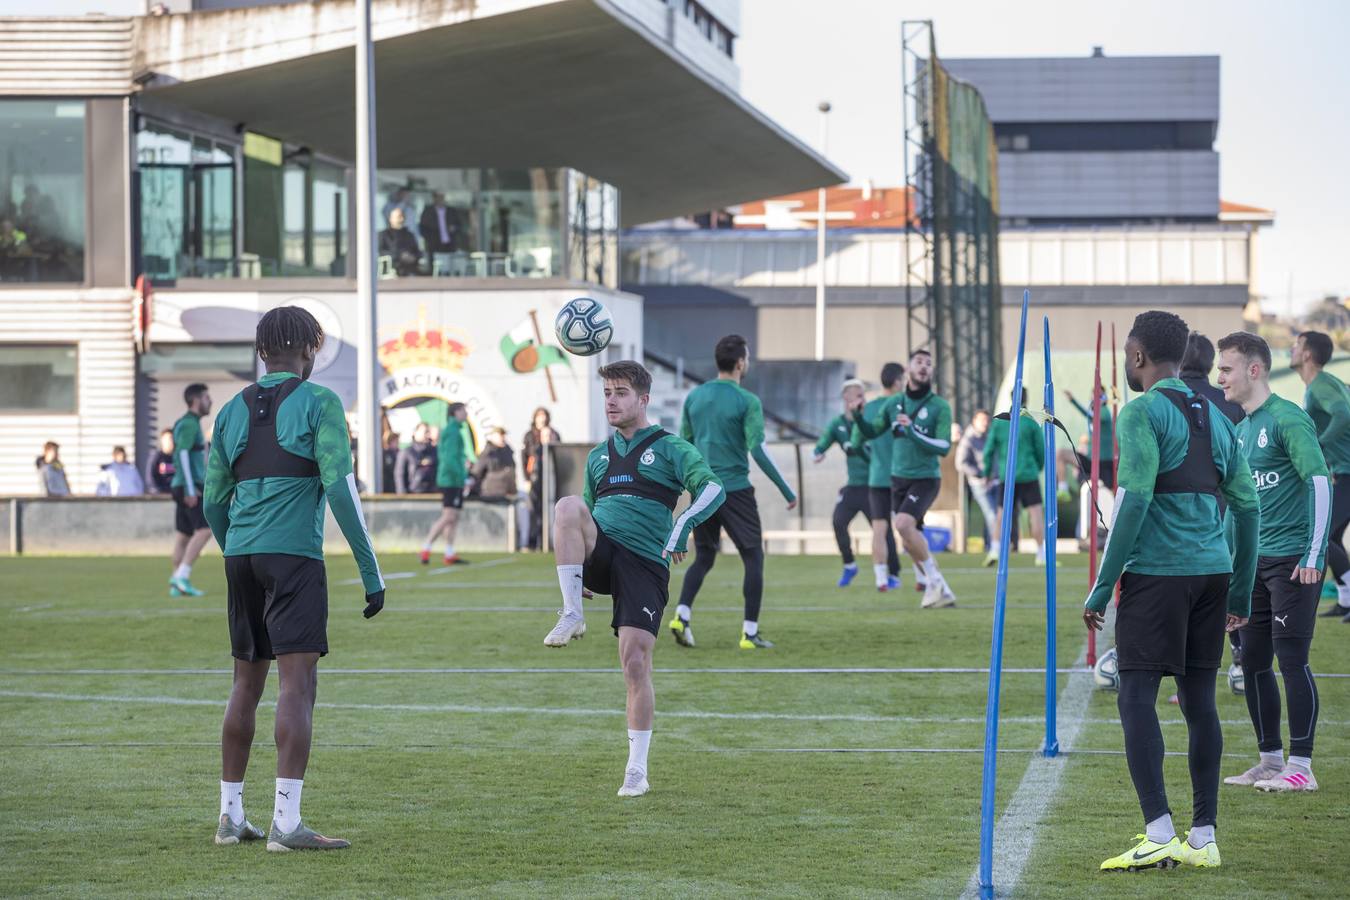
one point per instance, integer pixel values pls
(598, 670)
(1016, 830)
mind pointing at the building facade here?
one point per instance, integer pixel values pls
(171, 177)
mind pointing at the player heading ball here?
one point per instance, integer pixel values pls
(620, 536)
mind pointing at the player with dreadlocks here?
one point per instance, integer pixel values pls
(281, 449)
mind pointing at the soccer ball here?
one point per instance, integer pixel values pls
(583, 326)
(1237, 681)
(1106, 674)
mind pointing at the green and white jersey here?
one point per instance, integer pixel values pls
(642, 524)
(1292, 481)
(725, 422)
(1030, 450)
(840, 431)
(451, 464)
(278, 514)
(916, 452)
(1177, 533)
(189, 454)
(879, 447)
(1327, 400)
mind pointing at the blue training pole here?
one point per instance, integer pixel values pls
(996, 642)
(1051, 747)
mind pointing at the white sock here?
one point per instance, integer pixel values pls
(638, 742)
(1343, 592)
(993, 548)
(183, 572)
(750, 628)
(1274, 758)
(1302, 763)
(288, 804)
(232, 800)
(684, 612)
(882, 574)
(449, 550)
(1201, 835)
(1161, 830)
(569, 579)
(930, 568)
(427, 546)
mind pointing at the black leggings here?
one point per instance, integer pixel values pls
(752, 586)
(1259, 651)
(1137, 702)
(1340, 518)
(844, 513)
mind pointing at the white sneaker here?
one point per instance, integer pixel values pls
(1289, 779)
(634, 783)
(1259, 772)
(937, 594)
(570, 627)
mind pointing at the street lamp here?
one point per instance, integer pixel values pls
(824, 107)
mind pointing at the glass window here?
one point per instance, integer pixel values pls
(38, 378)
(42, 190)
(199, 359)
(593, 240)
(187, 204)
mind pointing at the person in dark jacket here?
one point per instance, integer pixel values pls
(494, 474)
(415, 471)
(400, 244)
(160, 468)
(1195, 369)
(389, 460)
(537, 439)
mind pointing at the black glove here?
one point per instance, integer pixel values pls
(374, 603)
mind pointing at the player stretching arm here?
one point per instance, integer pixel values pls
(1294, 489)
(725, 422)
(1328, 403)
(618, 538)
(281, 450)
(1177, 456)
(853, 497)
(922, 424)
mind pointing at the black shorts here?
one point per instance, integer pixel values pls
(879, 503)
(1281, 607)
(1027, 494)
(452, 498)
(913, 496)
(853, 499)
(640, 587)
(187, 519)
(739, 515)
(278, 604)
(1171, 623)
(1107, 473)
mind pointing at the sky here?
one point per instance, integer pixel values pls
(1284, 130)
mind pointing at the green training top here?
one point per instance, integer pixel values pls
(725, 422)
(189, 454)
(1292, 481)
(285, 514)
(1328, 402)
(641, 524)
(840, 431)
(1177, 534)
(451, 464)
(1108, 448)
(1030, 450)
(879, 465)
(918, 450)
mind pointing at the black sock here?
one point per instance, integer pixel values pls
(892, 557)
(1300, 693)
(842, 516)
(1195, 693)
(704, 557)
(1137, 700)
(1262, 693)
(753, 584)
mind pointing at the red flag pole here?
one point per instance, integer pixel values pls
(1094, 481)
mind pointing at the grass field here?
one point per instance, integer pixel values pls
(463, 758)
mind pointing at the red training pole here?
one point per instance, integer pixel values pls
(1093, 483)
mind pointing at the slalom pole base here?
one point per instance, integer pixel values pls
(1051, 751)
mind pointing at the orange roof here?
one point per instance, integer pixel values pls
(1243, 212)
(845, 207)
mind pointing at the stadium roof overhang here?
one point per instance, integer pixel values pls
(576, 83)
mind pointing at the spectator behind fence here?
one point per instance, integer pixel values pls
(494, 474)
(970, 462)
(400, 244)
(52, 472)
(415, 470)
(389, 460)
(442, 229)
(401, 199)
(119, 478)
(540, 435)
(160, 468)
